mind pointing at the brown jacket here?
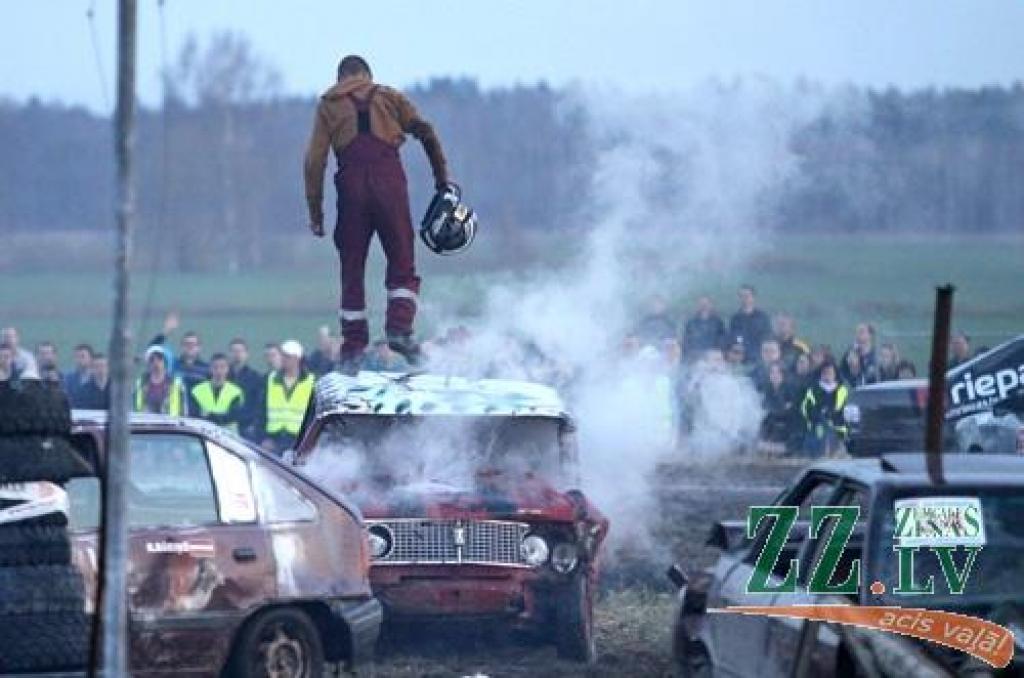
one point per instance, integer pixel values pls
(392, 116)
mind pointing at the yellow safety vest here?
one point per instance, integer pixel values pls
(174, 403)
(221, 403)
(842, 393)
(284, 410)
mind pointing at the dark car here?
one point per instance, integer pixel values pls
(463, 487)
(733, 644)
(890, 416)
(237, 564)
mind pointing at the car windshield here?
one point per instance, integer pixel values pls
(998, 568)
(451, 449)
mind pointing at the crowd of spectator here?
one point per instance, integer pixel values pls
(803, 386)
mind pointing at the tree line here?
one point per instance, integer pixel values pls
(220, 160)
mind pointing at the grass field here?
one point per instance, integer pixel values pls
(828, 283)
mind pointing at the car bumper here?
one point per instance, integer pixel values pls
(461, 591)
(363, 619)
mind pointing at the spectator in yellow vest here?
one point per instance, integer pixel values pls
(288, 393)
(156, 390)
(217, 399)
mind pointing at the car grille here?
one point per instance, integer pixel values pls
(489, 542)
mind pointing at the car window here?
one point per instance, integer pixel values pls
(84, 499)
(234, 486)
(169, 482)
(279, 501)
(850, 495)
(815, 490)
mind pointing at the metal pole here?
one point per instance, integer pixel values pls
(937, 382)
(114, 555)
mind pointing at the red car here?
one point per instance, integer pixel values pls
(238, 565)
(460, 485)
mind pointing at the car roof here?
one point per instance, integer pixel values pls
(893, 385)
(393, 393)
(137, 420)
(909, 468)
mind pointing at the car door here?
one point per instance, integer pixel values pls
(785, 635)
(740, 641)
(198, 559)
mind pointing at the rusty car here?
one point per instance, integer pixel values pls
(721, 643)
(467, 488)
(237, 565)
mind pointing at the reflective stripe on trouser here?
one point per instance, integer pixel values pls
(373, 198)
(401, 310)
(355, 329)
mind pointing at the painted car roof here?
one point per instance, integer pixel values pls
(391, 393)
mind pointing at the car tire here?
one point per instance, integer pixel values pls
(45, 642)
(34, 407)
(574, 621)
(41, 589)
(34, 544)
(279, 642)
(693, 661)
(26, 458)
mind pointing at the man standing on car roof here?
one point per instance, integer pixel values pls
(365, 123)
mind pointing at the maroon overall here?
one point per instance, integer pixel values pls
(373, 197)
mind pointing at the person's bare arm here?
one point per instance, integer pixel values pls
(314, 167)
(414, 124)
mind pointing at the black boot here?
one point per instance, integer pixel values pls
(406, 346)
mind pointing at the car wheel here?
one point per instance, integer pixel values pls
(34, 544)
(24, 458)
(281, 643)
(45, 642)
(41, 589)
(34, 408)
(694, 661)
(574, 622)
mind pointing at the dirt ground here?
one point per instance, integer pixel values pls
(636, 604)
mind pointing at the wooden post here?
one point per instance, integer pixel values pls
(114, 546)
(937, 383)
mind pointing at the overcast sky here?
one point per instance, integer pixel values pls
(638, 45)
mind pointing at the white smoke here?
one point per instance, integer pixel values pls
(682, 188)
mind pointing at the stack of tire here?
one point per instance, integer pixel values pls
(43, 620)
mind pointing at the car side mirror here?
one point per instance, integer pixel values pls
(728, 535)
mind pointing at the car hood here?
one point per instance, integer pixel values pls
(488, 495)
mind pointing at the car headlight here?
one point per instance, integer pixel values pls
(534, 550)
(381, 541)
(564, 557)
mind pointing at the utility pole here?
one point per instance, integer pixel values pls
(114, 549)
(937, 383)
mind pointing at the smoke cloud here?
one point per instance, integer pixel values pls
(682, 189)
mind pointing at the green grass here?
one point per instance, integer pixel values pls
(828, 283)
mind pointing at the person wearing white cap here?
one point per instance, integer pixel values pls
(288, 394)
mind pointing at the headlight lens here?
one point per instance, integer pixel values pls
(534, 550)
(381, 541)
(564, 557)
